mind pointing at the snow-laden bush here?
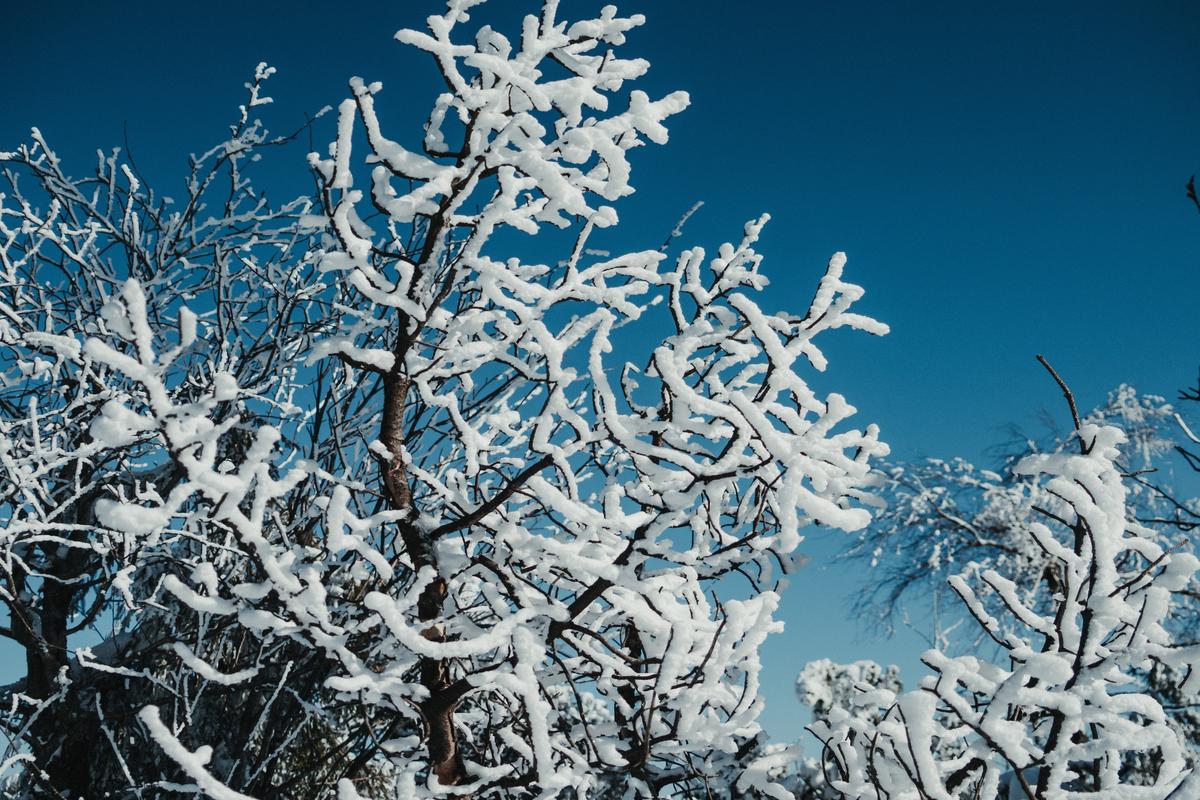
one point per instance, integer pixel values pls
(1061, 713)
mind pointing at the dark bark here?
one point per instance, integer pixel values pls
(60, 747)
(445, 757)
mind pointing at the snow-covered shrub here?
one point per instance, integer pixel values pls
(1061, 712)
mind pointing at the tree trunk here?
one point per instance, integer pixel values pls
(445, 759)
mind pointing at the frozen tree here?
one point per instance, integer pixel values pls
(1060, 713)
(785, 771)
(944, 514)
(430, 510)
(824, 685)
(75, 253)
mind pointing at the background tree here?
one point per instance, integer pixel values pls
(942, 515)
(1059, 714)
(784, 771)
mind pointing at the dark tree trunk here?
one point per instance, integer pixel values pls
(445, 758)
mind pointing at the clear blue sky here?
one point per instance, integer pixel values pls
(1007, 179)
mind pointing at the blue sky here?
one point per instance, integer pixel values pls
(1007, 179)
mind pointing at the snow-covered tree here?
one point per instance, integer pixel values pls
(944, 514)
(785, 771)
(1060, 713)
(824, 685)
(397, 477)
(68, 245)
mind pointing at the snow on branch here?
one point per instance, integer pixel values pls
(1062, 715)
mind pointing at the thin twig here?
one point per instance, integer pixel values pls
(678, 230)
(1066, 392)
